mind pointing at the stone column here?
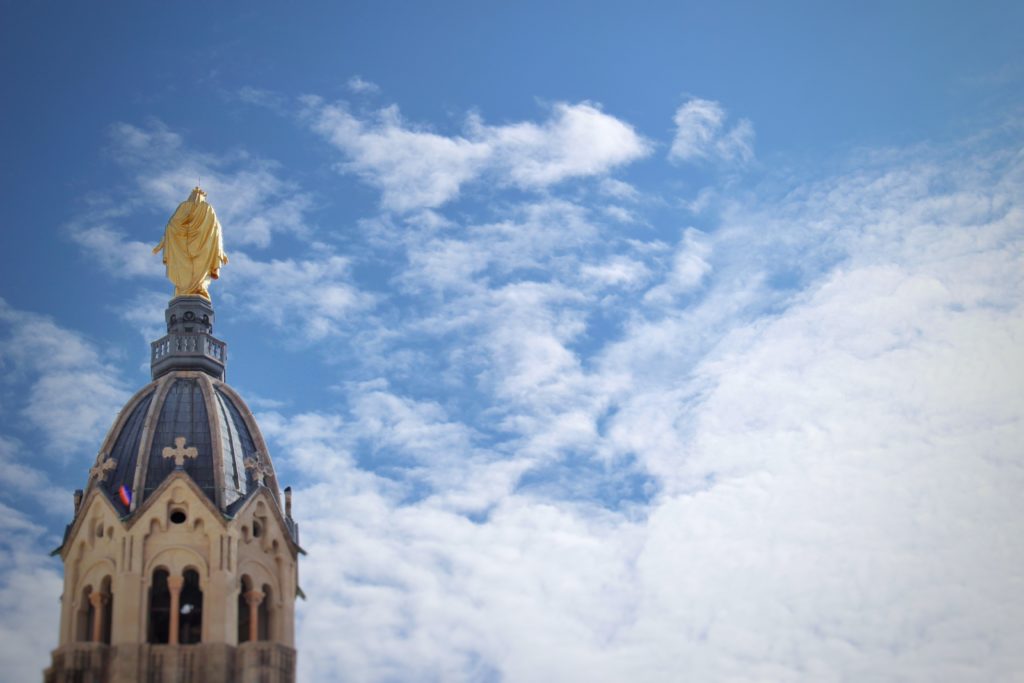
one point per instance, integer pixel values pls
(174, 584)
(98, 600)
(254, 598)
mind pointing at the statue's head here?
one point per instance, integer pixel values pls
(197, 195)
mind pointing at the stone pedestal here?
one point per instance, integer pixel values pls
(189, 344)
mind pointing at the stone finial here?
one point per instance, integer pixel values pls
(180, 452)
(102, 467)
(260, 470)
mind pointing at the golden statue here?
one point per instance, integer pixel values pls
(193, 247)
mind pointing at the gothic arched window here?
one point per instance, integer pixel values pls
(108, 611)
(159, 608)
(264, 614)
(243, 609)
(84, 617)
(191, 610)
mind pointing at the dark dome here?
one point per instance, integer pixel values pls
(201, 420)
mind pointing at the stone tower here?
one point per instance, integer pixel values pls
(181, 563)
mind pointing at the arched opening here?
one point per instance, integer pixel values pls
(108, 611)
(191, 611)
(159, 608)
(84, 616)
(264, 614)
(243, 610)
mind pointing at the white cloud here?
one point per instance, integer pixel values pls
(20, 479)
(416, 168)
(550, 235)
(115, 253)
(620, 214)
(262, 98)
(252, 200)
(701, 135)
(132, 144)
(72, 391)
(29, 585)
(413, 168)
(461, 596)
(145, 312)
(578, 140)
(619, 189)
(618, 271)
(689, 268)
(360, 86)
(310, 298)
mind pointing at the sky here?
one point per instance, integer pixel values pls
(599, 341)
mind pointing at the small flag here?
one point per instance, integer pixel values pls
(126, 496)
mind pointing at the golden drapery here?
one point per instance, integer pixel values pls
(193, 247)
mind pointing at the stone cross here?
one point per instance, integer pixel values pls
(259, 468)
(102, 467)
(179, 452)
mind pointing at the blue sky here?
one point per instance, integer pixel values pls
(639, 342)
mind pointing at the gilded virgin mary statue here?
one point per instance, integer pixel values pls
(193, 247)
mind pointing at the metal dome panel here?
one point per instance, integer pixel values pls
(236, 445)
(183, 415)
(126, 452)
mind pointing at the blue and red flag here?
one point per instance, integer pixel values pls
(126, 496)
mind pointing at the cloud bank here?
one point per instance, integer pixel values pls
(831, 429)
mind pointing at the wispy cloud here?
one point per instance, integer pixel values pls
(262, 98)
(21, 480)
(619, 189)
(72, 391)
(836, 409)
(689, 268)
(359, 85)
(29, 580)
(417, 168)
(250, 194)
(701, 135)
(114, 251)
(311, 297)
